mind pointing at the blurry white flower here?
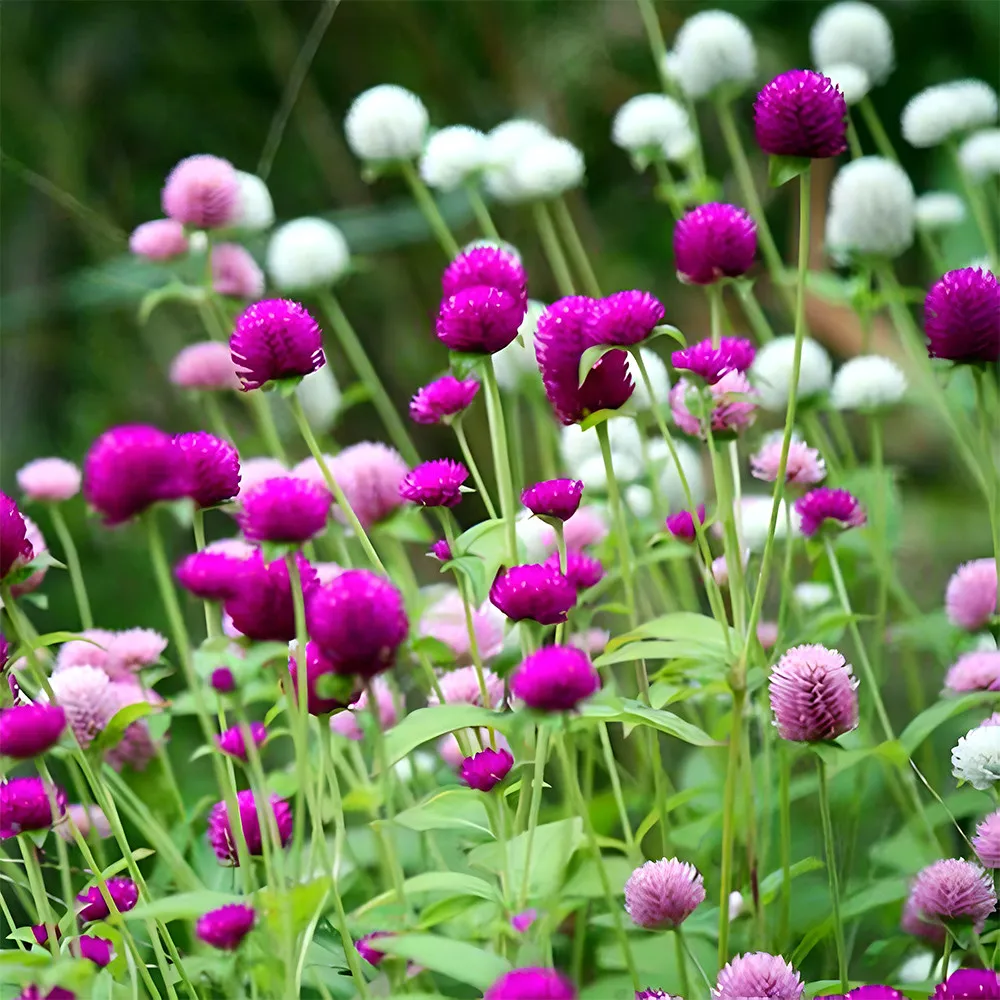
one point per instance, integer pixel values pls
(976, 757)
(306, 253)
(547, 168)
(198, 242)
(386, 123)
(493, 245)
(810, 595)
(532, 536)
(871, 209)
(669, 481)
(712, 49)
(639, 500)
(771, 372)
(516, 364)
(934, 114)
(653, 122)
(853, 81)
(867, 383)
(736, 905)
(504, 145)
(453, 155)
(919, 968)
(656, 369)
(937, 210)
(581, 451)
(320, 397)
(755, 522)
(856, 33)
(256, 209)
(980, 154)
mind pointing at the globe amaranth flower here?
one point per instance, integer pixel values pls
(207, 365)
(452, 156)
(29, 730)
(962, 317)
(954, 891)
(462, 685)
(713, 53)
(235, 272)
(84, 694)
(545, 169)
(220, 831)
(442, 399)
(89, 650)
(729, 400)
(559, 498)
(869, 382)
(370, 474)
(912, 922)
(386, 122)
(261, 607)
(976, 757)
(681, 524)
(873, 992)
(307, 253)
(159, 239)
(364, 945)
(435, 484)
(758, 974)
(446, 621)
(979, 155)
(288, 509)
(804, 466)
(936, 113)
(15, 548)
(824, 504)
(233, 741)
(986, 842)
(662, 894)
(801, 113)
(653, 126)
(87, 819)
(536, 591)
(965, 984)
(971, 596)
(532, 984)
(938, 211)
(486, 769)
(853, 32)
(339, 692)
(124, 894)
(440, 549)
(25, 805)
(49, 480)
(582, 570)
(492, 266)
(623, 319)
(813, 694)
(978, 670)
(222, 680)
(481, 319)
(227, 926)
(654, 994)
(98, 950)
(714, 241)
(358, 620)
(210, 574)
(202, 191)
(275, 339)
(213, 468)
(555, 679)
(346, 722)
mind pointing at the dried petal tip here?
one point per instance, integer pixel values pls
(681, 525)
(536, 591)
(624, 318)
(662, 894)
(275, 339)
(823, 504)
(202, 191)
(813, 694)
(29, 730)
(555, 679)
(954, 890)
(532, 984)
(758, 974)
(227, 926)
(486, 769)
(962, 317)
(50, 480)
(714, 241)
(801, 113)
(986, 842)
(435, 484)
(558, 498)
(287, 509)
(442, 399)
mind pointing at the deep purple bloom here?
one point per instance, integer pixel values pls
(714, 241)
(758, 975)
(130, 468)
(662, 894)
(213, 467)
(99, 950)
(522, 921)
(953, 890)
(710, 363)
(654, 994)
(440, 550)
(56, 993)
(365, 949)
(285, 509)
(967, 983)
(123, 891)
(220, 832)
(275, 339)
(582, 570)
(29, 730)
(486, 769)
(233, 741)
(493, 267)
(358, 620)
(869, 993)
(24, 805)
(211, 574)
(441, 399)
(826, 504)
(227, 926)
(15, 549)
(962, 317)
(801, 113)
(813, 694)
(624, 318)
(681, 525)
(986, 842)
(555, 679)
(41, 933)
(317, 666)
(479, 320)
(222, 680)
(435, 484)
(558, 498)
(537, 591)
(262, 606)
(532, 984)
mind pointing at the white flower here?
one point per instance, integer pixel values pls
(516, 363)
(810, 595)
(656, 369)
(256, 209)
(771, 372)
(976, 757)
(453, 155)
(669, 482)
(937, 210)
(934, 114)
(546, 169)
(856, 33)
(493, 245)
(920, 967)
(653, 122)
(639, 500)
(386, 123)
(320, 397)
(755, 522)
(581, 451)
(712, 49)
(306, 253)
(853, 81)
(867, 382)
(504, 145)
(871, 209)
(980, 154)
(532, 535)
(736, 905)
(198, 242)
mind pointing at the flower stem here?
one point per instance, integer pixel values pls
(831, 869)
(571, 237)
(429, 208)
(43, 907)
(616, 787)
(537, 784)
(470, 461)
(561, 549)
(501, 457)
(73, 565)
(728, 820)
(980, 210)
(681, 962)
(482, 212)
(553, 249)
(785, 819)
(987, 431)
(261, 406)
(216, 418)
(213, 628)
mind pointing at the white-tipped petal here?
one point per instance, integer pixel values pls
(856, 33)
(947, 109)
(306, 253)
(713, 49)
(452, 156)
(386, 123)
(771, 372)
(937, 210)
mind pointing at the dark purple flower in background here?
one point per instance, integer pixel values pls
(440, 550)
(98, 950)
(220, 832)
(558, 498)
(233, 740)
(29, 730)
(624, 318)
(582, 570)
(15, 549)
(202, 191)
(493, 267)
(317, 666)
(555, 679)
(801, 113)
(226, 927)
(442, 399)
(714, 241)
(825, 504)
(25, 805)
(964, 984)
(275, 339)
(813, 694)
(532, 984)
(123, 892)
(261, 607)
(213, 468)
(435, 484)
(962, 317)
(285, 509)
(364, 945)
(681, 524)
(538, 591)
(222, 680)
(486, 769)
(710, 363)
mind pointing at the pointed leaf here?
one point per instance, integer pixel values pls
(426, 724)
(782, 169)
(448, 956)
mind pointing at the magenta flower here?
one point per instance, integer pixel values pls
(971, 597)
(953, 890)
(964, 984)
(758, 974)
(158, 239)
(56, 993)
(317, 666)
(233, 740)
(654, 994)
(486, 769)
(435, 484)
(226, 927)
(582, 570)
(370, 474)
(870, 993)
(208, 365)
(714, 241)
(731, 410)
(623, 319)
(442, 399)
(489, 266)
(124, 894)
(287, 509)
(222, 680)
(801, 113)
(36, 540)
(262, 607)
(220, 832)
(803, 467)
(813, 695)
(479, 320)
(210, 575)
(520, 922)
(532, 984)
(681, 524)
(29, 730)
(235, 272)
(710, 363)
(975, 671)
(986, 842)
(24, 805)
(15, 548)
(213, 468)
(962, 317)
(275, 339)
(661, 895)
(365, 949)
(555, 679)
(41, 933)
(440, 550)
(559, 498)
(536, 591)
(49, 480)
(98, 950)
(202, 191)
(826, 504)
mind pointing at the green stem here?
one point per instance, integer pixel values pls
(537, 784)
(881, 138)
(728, 821)
(616, 787)
(853, 142)
(547, 442)
(470, 461)
(562, 627)
(213, 627)
(831, 868)
(785, 807)
(482, 213)
(681, 962)
(880, 529)
(43, 907)
(571, 238)
(73, 565)
(991, 475)
(429, 207)
(215, 416)
(553, 249)
(979, 208)
(261, 406)
(501, 458)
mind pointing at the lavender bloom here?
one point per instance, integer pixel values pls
(986, 842)
(233, 740)
(203, 192)
(975, 671)
(714, 241)
(158, 239)
(275, 339)
(826, 504)
(220, 833)
(235, 272)
(15, 548)
(462, 685)
(758, 974)
(49, 480)
(287, 509)
(555, 679)
(731, 411)
(710, 363)
(954, 890)
(131, 650)
(211, 574)
(207, 365)
(681, 525)
(971, 597)
(662, 894)
(486, 769)
(84, 694)
(445, 621)
(370, 474)
(226, 927)
(98, 950)
(803, 467)
(480, 320)
(801, 113)
(559, 498)
(90, 650)
(435, 484)
(29, 730)
(24, 805)
(222, 680)
(365, 949)
(965, 984)
(213, 468)
(532, 984)
(442, 399)
(124, 894)
(582, 570)
(486, 265)
(536, 591)
(962, 317)
(262, 606)
(317, 666)
(624, 319)
(813, 695)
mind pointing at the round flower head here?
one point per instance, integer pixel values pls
(582, 570)
(986, 841)
(316, 666)
(446, 621)
(29, 730)
(89, 650)
(624, 318)
(976, 757)
(346, 722)
(203, 192)
(222, 680)
(124, 894)
(130, 468)
(559, 498)
(825, 504)
(546, 169)
(307, 253)
(83, 692)
(25, 805)
(813, 695)
(320, 397)
(731, 411)
(852, 81)
(288, 509)
(207, 365)
(505, 143)
(440, 550)
(15, 548)
(261, 607)
(936, 211)
(953, 890)
(868, 382)
(947, 109)
(486, 769)
(659, 379)
(681, 525)
(713, 53)
(49, 480)
(771, 372)
(220, 832)
(975, 671)
(489, 265)
(714, 241)
(233, 741)
(256, 210)
(386, 123)
(912, 922)
(853, 32)
(452, 156)
(980, 154)
(555, 679)
(801, 113)
(971, 597)
(661, 895)
(653, 125)
(435, 484)
(235, 272)
(275, 339)
(965, 984)
(536, 591)
(522, 921)
(531, 984)
(480, 319)
(710, 363)
(364, 945)
(442, 399)
(462, 686)
(757, 975)
(213, 468)
(370, 474)
(227, 926)
(581, 451)
(804, 466)
(98, 950)
(160, 239)
(962, 317)
(210, 575)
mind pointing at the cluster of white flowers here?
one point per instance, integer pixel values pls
(713, 53)
(653, 125)
(855, 34)
(583, 459)
(771, 372)
(935, 114)
(516, 364)
(852, 80)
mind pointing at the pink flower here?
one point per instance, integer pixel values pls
(986, 842)
(211, 575)
(235, 272)
(485, 770)
(823, 504)
(227, 926)
(220, 833)
(592, 641)
(84, 693)
(160, 239)
(202, 191)
(124, 894)
(131, 650)
(730, 410)
(234, 743)
(555, 679)
(206, 365)
(213, 468)
(758, 975)
(15, 548)
(971, 597)
(803, 467)
(440, 550)
(623, 319)
(90, 650)
(275, 339)
(50, 480)
(453, 755)
(558, 498)
(435, 484)
(370, 474)
(288, 509)
(681, 525)
(486, 265)
(462, 685)
(801, 113)
(442, 399)
(954, 890)
(663, 894)
(582, 570)
(975, 671)
(86, 819)
(912, 922)
(714, 241)
(536, 591)
(346, 722)
(371, 955)
(767, 634)
(532, 984)
(586, 527)
(710, 363)
(813, 694)
(29, 730)
(255, 471)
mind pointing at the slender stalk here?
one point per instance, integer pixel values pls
(482, 213)
(987, 433)
(785, 814)
(429, 207)
(501, 458)
(43, 907)
(220, 427)
(616, 787)
(561, 628)
(73, 565)
(577, 250)
(853, 142)
(831, 868)
(553, 249)
(470, 461)
(881, 533)
(213, 627)
(881, 138)
(547, 445)
(728, 821)
(260, 404)
(681, 962)
(537, 784)
(980, 210)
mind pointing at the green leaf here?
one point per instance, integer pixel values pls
(175, 291)
(586, 881)
(666, 722)
(407, 524)
(297, 906)
(426, 724)
(706, 632)
(660, 649)
(453, 883)
(597, 417)
(463, 364)
(445, 910)
(940, 712)
(771, 884)
(449, 957)
(113, 732)
(453, 809)
(782, 169)
(666, 330)
(472, 568)
(183, 906)
(439, 653)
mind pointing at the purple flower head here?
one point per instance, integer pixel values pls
(222, 680)
(275, 339)
(29, 730)
(233, 740)
(158, 239)
(967, 983)
(358, 621)
(975, 671)
(50, 480)
(435, 484)
(555, 679)
(758, 975)
(262, 606)
(953, 890)
(124, 894)
(826, 504)
(560, 341)
(213, 468)
(211, 574)
(286, 509)
(986, 842)
(317, 666)
(365, 949)
(235, 272)
(537, 591)
(532, 984)
(24, 805)
(56, 993)
(681, 525)
(15, 548)
(962, 317)
(227, 926)
(801, 113)
(813, 695)
(714, 241)
(370, 473)
(654, 994)
(479, 320)
(220, 833)
(558, 498)
(731, 410)
(41, 933)
(520, 922)
(442, 399)
(624, 318)
(440, 550)
(662, 894)
(493, 267)
(98, 950)
(202, 191)
(803, 467)
(870, 993)
(486, 769)
(710, 363)
(130, 468)
(971, 597)
(207, 365)
(582, 570)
